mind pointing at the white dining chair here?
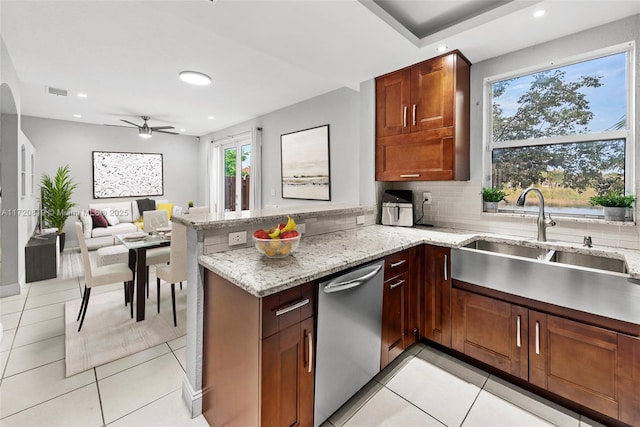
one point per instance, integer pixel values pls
(176, 271)
(152, 221)
(98, 276)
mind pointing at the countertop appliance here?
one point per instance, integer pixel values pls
(397, 208)
(349, 328)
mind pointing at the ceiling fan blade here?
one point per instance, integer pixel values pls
(131, 123)
(117, 126)
(162, 127)
(165, 131)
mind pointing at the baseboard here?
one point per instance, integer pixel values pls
(9, 290)
(192, 398)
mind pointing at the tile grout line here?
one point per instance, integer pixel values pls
(415, 406)
(95, 375)
(475, 399)
(143, 406)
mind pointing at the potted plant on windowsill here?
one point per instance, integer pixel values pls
(56, 200)
(615, 204)
(491, 197)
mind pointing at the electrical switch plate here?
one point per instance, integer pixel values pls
(237, 238)
(301, 228)
(360, 220)
(426, 197)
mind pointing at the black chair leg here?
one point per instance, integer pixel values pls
(126, 294)
(131, 287)
(147, 282)
(84, 312)
(158, 292)
(180, 285)
(84, 300)
(173, 302)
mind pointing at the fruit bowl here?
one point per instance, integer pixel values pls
(277, 248)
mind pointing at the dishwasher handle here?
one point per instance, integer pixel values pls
(336, 285)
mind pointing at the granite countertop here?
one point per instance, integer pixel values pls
(321, 255)
(208, 221)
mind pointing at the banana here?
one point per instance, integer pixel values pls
(275, 233)
(291, 225)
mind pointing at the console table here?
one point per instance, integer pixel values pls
(42, 257)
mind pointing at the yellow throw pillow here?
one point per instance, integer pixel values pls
(166, 207)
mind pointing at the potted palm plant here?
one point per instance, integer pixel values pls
(56, 200)
(491, 197)
(615, 204)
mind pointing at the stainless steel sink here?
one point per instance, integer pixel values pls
(589, 261)
(509, 249)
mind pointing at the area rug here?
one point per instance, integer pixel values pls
(109, 333)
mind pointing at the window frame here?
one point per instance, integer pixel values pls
(628, 135)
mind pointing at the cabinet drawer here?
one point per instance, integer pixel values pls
(396, 264)
(287, 308)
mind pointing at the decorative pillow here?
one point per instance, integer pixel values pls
(87, 223)
(98, 219)
(110, 216)
(166, 207)
(146, 205)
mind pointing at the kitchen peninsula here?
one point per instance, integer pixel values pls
(322, 253)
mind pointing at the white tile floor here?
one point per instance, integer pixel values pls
(423, 387)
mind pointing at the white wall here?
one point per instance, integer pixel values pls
(62, 143)
(341, 110)
(458, 204)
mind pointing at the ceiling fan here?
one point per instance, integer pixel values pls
(145, 130)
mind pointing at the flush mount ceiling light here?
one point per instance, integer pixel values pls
(442, 48)
(211, 118)
(144, 132)
(539, 13)
(82, 95)
(77, 116)
(195, 78)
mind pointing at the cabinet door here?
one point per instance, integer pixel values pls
(436, 324)
(287, 387)
(432, 90)
(577, 361)
(392, 103)
(492, 331)
(395, 312)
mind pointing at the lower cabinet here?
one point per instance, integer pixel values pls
(258, 356)
(403, 271)
(589, 365)
(436, 295)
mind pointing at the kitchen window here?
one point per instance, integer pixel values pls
(565, 129)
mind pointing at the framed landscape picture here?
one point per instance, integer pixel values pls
(117, 174)
(305, 164)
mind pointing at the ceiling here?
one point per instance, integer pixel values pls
(262, 55)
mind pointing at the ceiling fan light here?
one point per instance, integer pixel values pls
(144, 132)
(195, 78)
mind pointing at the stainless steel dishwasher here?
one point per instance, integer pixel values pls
(348, 336)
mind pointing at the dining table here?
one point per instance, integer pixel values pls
(138, 243)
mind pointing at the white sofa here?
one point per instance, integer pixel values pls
(127, 214)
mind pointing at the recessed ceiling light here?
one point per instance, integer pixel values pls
(82, 95)
(195, 78)
(77, 116)
(183, 130)
(442, 48)
(211, 118)
(539, 13)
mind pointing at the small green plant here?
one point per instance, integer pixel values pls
(190, 204)
(56, 198)
(492, 194)
(613, 199)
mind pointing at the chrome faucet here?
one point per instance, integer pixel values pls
(543, 223)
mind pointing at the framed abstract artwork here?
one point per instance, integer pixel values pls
(118, 174)
(305, 164)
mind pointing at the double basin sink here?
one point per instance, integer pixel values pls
(551, 255)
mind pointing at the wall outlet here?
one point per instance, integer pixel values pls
(237, 238)
(359, 219)
(426, 197)
(301, 228)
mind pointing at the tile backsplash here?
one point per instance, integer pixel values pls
(458, 204)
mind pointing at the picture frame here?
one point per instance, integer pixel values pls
(124, 174)
(305, 164)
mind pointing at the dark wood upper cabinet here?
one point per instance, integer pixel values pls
(422, 121)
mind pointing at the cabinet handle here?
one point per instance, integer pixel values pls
(414, 114)
(406, 109)
(395, 264)
(292, 307)
(310, 338)
(518, 341)
(398, 283)
(410, 175)
(537, 337)
(446, 275)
